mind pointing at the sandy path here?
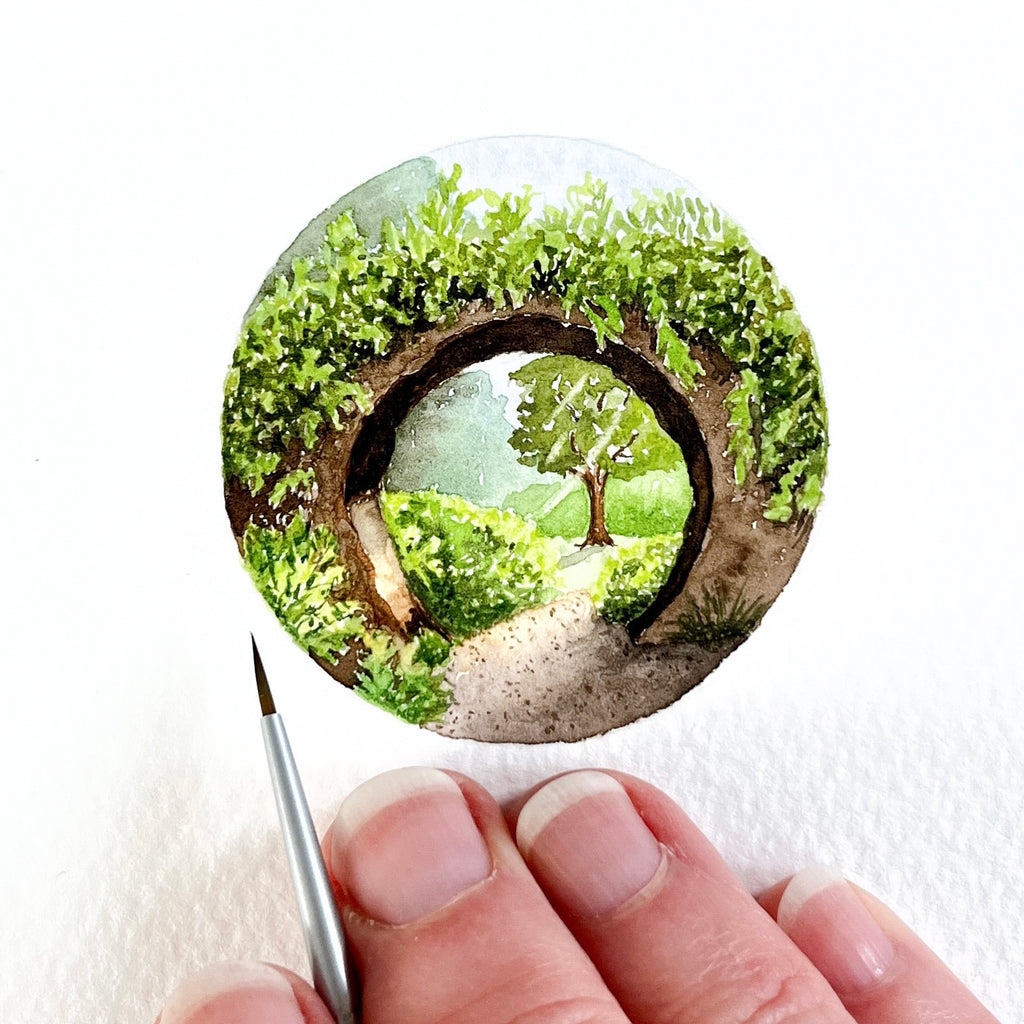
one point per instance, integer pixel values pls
(561, 672)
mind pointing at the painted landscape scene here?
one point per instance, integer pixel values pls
(522, 479)
(522, 462)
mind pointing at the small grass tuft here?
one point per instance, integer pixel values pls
(717, 618)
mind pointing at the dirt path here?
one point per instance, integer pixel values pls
(561, 672)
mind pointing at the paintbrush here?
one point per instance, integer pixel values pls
(321, 925)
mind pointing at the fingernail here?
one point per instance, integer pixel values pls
(405, 845)
(586, 843)
(228, 993)
(822, 914)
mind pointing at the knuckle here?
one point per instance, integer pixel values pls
(796, 999)
(569, 1011)
(756, 986)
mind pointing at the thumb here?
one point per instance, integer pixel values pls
(256, 993)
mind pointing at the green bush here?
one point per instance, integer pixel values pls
(469, 566)
(717, 618)
(633, 575)
(406, 679)
(297, 572)
(431, 649)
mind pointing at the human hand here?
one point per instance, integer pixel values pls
(594, 900)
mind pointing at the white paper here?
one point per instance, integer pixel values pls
(156, 161)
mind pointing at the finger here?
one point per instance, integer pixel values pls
(445, 921)
(256, 993)
(879, 968)
(673, 933)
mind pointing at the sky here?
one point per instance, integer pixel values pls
(456, 437)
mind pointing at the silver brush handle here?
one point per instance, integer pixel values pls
(318, 911)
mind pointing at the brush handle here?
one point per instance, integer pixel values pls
(321, 925)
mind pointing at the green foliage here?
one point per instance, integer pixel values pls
(633, 574)
(691, 272)
(744, 405)
(470, 567)
(431, 649)
(658, 502)
(717, 618)
(799, 488)
(575, 415)
(298, 480)
(297, 572)
(406, 679)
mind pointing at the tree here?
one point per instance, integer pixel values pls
(578, 418)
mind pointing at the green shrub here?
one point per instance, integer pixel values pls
(718, 618)
(431, 649)
(633, 575)
(297, 572)
(691, 272)
(406, 679)
(469, 566)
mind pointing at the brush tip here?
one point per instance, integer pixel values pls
(262, 686)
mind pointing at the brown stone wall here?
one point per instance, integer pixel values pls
(739, 551)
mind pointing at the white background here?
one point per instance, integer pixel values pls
(154, 160)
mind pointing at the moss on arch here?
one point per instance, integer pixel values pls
(687, 269)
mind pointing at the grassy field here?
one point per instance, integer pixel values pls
(658, 502)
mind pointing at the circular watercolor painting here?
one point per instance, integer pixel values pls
(522, 438)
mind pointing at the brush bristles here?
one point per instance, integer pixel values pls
(262, 686)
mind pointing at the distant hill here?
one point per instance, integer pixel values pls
(559, 509)
(655, 503)
(455, 440)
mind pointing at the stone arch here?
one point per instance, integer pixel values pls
(729, 547)
(374, 440)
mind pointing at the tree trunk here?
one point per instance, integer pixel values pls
(594, 480)
(330, 509)
(361, 582)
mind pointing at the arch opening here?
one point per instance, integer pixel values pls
(373, 453)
